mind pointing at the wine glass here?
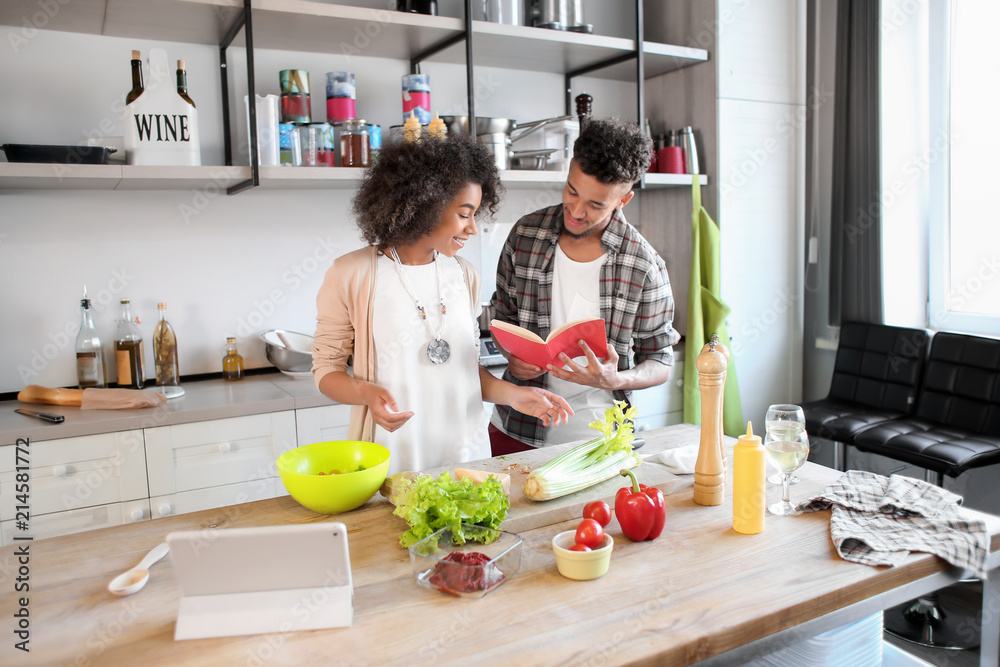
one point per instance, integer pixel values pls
(787, 448)
(784, 418)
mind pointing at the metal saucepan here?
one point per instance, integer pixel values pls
(532, 160)
(484, 125)
(499, 144)
(525, 129)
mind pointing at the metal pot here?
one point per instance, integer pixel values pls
(499, 144)
(484, 125)
(535, 125)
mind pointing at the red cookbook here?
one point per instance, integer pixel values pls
(530, 347)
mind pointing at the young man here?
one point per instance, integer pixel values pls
(582, 259)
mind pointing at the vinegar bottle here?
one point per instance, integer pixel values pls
(165, 361)
(232, 363)
(89, 359)
(128, 350)
(182, 83)
(136, 78)
(748, 483)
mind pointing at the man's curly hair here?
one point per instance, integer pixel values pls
(612, 151)
(402, 196)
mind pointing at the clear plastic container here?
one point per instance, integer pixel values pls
(434, 563)
(267, 129)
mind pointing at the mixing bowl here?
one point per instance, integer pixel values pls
(296, 357)
(336, 476)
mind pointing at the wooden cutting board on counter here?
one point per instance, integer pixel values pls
(525, 514)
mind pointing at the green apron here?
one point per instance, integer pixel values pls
(706, 315)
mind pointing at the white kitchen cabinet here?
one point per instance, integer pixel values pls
(76, 483)
(205, 455)
(216, 496)
(321, 424)
(78, 520)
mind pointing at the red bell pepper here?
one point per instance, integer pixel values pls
(640, 509)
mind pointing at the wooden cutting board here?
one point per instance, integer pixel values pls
(525, 514)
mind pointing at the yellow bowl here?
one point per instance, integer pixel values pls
(581, 565)
(300, 470)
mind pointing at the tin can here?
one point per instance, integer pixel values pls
(295, 104)
(289, 148)
(417, 97)
(340, 96)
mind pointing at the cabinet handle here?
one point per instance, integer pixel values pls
(225, 447)
(137, 514)
(60, 471)
(165, 510)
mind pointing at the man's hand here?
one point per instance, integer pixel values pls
(541, 403)
(602, 375)
(383, 407)
(521, 369)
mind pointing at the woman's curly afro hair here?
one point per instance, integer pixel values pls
(612, 151)
(402, 196)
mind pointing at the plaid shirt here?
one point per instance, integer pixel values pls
(635, 299)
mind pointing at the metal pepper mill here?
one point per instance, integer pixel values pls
(710, 466)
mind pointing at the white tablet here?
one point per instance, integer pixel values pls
(241, 581)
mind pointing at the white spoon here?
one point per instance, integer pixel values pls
(131, 581)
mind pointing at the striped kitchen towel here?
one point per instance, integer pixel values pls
(878, 521)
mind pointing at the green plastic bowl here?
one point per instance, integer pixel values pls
(300, 470)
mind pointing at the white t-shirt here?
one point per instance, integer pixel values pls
(576, 295)
(449, 425)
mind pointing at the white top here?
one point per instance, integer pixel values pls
(575, 296)
(449, 424)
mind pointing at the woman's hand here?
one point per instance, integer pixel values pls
(541, 403)
(383, 407)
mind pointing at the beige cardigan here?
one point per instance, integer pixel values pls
(344, 312)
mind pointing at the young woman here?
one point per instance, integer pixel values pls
(406, 308)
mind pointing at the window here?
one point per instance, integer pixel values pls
(964, 274)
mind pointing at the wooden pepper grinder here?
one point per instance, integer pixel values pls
(709, 468)
(722, 428)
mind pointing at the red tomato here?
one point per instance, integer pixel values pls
(579, 547)
(599, 511)
(590, 533)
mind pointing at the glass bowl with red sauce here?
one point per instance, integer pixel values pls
(470, 564)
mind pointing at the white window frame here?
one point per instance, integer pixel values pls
(941, 294)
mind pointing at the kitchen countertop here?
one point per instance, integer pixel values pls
(202, 401)
(700, 592)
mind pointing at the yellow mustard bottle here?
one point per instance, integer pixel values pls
(749, 480)
(412, 129)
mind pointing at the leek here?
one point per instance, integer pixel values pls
(590, 463)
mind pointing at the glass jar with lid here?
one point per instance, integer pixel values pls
(355, 144)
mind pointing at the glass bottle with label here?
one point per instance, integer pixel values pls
(232, 363)
(89, 358)
(128, 350)
(165, 361)
(182, 82)
(136, 78)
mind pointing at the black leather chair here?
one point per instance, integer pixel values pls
(876, 378)
(956, 427)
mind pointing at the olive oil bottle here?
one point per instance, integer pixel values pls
(232, 363)
(128, 350)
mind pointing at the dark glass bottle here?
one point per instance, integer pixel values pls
(128, 350)
(136, 78)
(182, 83)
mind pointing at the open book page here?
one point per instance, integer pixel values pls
(530, 347)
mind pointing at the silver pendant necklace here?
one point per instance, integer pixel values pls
(438, 351)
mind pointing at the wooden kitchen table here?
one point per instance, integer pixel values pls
(701, 592)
